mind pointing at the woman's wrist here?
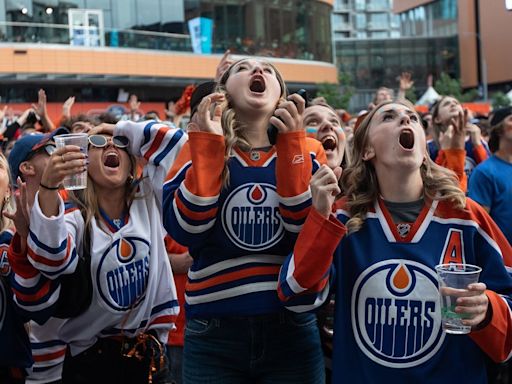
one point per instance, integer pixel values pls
(48, 187)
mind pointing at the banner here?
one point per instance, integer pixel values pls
(201, 29)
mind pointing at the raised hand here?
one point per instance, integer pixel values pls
(288, 115)
(133, 103)
(65, 161)
(324, 189)
(455, 135)
(405, 81)
(203, 120)
(20, 218)
(66, 107)
(40, 108)
(103, 128)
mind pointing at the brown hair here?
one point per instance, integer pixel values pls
(359, 180)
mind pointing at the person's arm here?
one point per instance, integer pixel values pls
(494, 334)
(405, 83)
(51, 240)
(192, 187)
(157, 143)
(35, 295)
(295, 164)
(304, 279)
(41, 110)
(66, 108)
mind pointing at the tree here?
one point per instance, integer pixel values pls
(337, 96)
(445, 85)
(500, 100)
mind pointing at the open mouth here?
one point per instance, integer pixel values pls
(406, 139)
(329, 143)
(111, 160)
(257, 85)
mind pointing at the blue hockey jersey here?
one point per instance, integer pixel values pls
(240, 234)
(387, 318)
(14, 345)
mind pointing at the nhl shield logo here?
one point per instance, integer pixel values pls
(251, 218)
(396, 318)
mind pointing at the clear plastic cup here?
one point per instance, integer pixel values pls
(457, 276)
(79, 180)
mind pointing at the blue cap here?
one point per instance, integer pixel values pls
(25, 145)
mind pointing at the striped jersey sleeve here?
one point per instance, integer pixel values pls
(495, 338)
(192, 188)
(51, 241)
(298, 158)
(157, 143)
(34, 294)
(307, 274)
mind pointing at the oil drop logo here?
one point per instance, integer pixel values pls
(395, 313)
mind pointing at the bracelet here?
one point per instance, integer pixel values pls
(48, 188)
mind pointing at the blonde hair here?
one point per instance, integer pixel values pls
(87, 199)
(6, 205)
(359, 180)
(233, 129)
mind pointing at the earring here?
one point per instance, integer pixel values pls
(7, 199)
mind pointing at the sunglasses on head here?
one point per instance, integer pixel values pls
(100, 141)
(49, 148)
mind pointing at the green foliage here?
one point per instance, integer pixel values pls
(500, 100)
(410, 95)
(445, 85)
(337, 96)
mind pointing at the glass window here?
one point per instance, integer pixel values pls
(378, 20)
(360, 21)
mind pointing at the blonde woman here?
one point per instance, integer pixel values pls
(115, 227)
(15, 355)
(402, 215)
(237, 203)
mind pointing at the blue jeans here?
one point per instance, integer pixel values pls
(175, 357)
(271, 349)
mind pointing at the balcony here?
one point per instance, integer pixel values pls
(375, 26)
(42, 33)
(377, 7)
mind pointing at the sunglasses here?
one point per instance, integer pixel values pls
(100, 141)
(49, 148)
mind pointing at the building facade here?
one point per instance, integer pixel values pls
(154, 48)
(480, 28)
(375, 57)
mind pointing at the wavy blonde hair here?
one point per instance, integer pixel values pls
(359, 180)
(233, 129)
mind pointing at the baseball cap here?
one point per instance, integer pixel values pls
(499, 115)
(26, 145)
(201, 91)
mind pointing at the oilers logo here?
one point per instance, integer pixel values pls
(395, 313)
(123, 272)
(5, 268)
(251, 218)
